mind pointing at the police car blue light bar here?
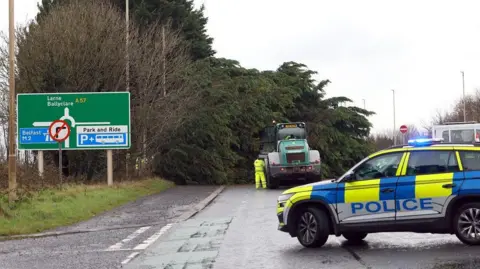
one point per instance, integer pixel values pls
(424, 141)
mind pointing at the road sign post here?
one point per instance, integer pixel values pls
(59, 131)
(40, 163)
(97, 121)
(60, 164)
(403, 130)
(109, 167)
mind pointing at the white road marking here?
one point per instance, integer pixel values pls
(118, 249)
(153, 238)
(130, 257)
(132, 236)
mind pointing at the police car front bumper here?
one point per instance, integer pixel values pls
(281, 202)
(281, 226)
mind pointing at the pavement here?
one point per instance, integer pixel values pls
(238, 229)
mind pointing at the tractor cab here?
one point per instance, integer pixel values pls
(294, 130)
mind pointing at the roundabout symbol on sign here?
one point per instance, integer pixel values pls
(59, 130)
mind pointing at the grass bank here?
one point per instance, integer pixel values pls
(52, 208)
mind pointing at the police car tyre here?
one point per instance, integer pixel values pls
(312, 227)
(467, 224)
(355, 236)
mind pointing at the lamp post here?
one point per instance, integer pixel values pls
(127, 37)
(127, 67)
(394, 124)
(464, 106)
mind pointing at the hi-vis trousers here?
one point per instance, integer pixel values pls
(260, 176)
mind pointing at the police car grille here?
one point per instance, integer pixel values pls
(295, 157)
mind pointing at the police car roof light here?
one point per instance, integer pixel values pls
(419, 142)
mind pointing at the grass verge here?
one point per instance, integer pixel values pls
(52, 208)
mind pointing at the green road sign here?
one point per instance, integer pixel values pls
(98, 120)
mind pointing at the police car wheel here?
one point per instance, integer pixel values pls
(355, 236)
(467, 224)
(312, 228)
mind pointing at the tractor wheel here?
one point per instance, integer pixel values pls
(272, 183)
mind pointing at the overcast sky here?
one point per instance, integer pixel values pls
(366, 48)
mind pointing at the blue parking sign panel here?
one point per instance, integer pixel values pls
(102, 136)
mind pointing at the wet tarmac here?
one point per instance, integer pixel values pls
(239, 230)
(126, 231)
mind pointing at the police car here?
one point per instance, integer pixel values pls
(425, 186)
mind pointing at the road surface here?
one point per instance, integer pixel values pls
(136, 225)
(239, 230)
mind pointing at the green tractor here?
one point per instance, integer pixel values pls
(287, 155)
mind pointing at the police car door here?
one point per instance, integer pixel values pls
(427, 180)
(368, 192)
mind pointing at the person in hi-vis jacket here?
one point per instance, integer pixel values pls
(259, 174)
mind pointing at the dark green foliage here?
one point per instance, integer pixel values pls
(220, 143)
(44, 8)
(182, 15)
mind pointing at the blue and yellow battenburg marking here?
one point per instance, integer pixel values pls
(412, 193)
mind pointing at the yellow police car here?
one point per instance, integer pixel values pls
(426, 187)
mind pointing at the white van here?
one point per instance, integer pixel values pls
(457, 132)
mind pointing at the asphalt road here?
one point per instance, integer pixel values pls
(126, 230)
(239, 230)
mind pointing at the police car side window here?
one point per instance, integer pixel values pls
(379, 167)
(470, 160)
(431, 162)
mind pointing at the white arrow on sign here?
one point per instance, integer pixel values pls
(66, 116)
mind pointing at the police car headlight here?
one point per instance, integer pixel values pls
(284, 197)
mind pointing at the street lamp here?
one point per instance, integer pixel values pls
(464, 106)
(364, 107)
(127, 65)
(394, 124)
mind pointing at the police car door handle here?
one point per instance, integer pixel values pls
(449, 186)
(387, 190)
